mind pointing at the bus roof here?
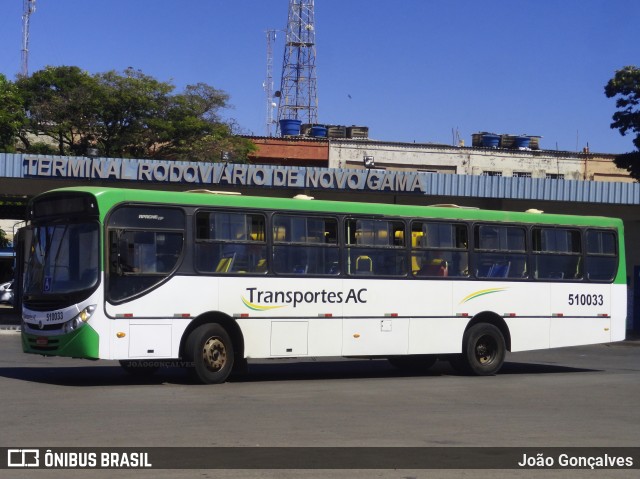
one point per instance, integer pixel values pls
(110, 197)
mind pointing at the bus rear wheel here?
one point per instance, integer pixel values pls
(210, 349)
(483, 351)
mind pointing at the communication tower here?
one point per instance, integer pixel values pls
(268, 84)
(298, 94)
(28, 7)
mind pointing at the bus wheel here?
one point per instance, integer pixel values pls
(210, 349)
(417, 362)
(140, 367)
(483, 351)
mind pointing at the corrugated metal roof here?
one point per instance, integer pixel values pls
(11, 166)
(534, 189)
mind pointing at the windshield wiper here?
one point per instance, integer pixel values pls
(60, 243)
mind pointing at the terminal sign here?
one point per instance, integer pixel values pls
(223, 174)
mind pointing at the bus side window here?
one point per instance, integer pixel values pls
(602, 259)
(439, 249)
(305, 245)
(230, 242)
(141, 259)
(375, 247)
(500, 251)
(557, 253)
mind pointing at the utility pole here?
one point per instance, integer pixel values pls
(298, 94)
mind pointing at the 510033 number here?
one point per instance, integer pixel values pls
(55, 316)
(586, 300)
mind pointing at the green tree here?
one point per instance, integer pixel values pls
(142, 117)
(61, 103)
(127, 114)
(625, 87)
(12, 115)
(192, 129)
(130, 106)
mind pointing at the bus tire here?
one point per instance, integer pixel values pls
(414, 362)
(483, 351)
(210, 349)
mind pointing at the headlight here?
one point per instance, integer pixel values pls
(79, 319)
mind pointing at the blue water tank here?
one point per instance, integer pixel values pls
(290, 127)
(319, 131)
(489, 140)
(521, 142)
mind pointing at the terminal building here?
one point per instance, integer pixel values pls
(353, 167)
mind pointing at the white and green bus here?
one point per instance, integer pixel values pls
(214, 280)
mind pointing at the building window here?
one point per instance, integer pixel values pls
(554, 176)
(492, 173)
(522, 174)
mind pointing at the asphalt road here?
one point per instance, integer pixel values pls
(584, 396)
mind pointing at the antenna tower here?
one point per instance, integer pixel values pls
(298, 94)
(28, 7)
(268, 84)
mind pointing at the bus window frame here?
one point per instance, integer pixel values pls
(346, 253)
(266, 216)
(587, 255)
(274, 243)
(581, 255)
(428, 249)
(476, 252)
(165, 277)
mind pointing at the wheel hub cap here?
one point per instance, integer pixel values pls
(215, 354)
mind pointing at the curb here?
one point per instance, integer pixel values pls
(9, 329)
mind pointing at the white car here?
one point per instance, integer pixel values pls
(6, 293)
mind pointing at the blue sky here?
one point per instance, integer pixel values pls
(414, 69)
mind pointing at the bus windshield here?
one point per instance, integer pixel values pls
(63, 259)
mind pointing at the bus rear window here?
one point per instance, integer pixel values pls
(602, 261)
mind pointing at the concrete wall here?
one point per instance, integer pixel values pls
(476, 161)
